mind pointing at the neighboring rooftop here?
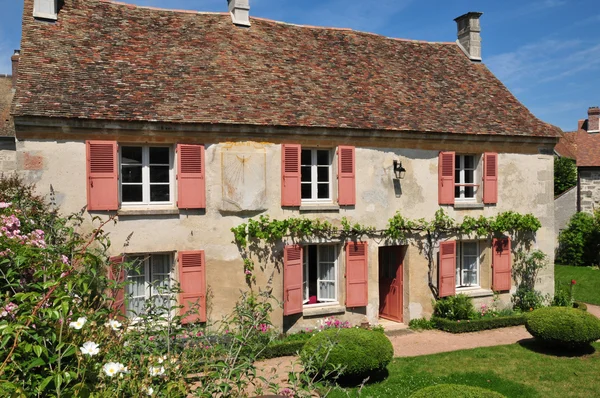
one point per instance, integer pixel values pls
(7, 127)
(109, 61)
(583, 144)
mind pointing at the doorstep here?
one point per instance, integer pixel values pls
(391, 328)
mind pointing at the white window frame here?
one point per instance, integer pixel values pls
(305, 278)
(459, 169)
(146, 177)
(314, 176)
(148, 279)
(460, 271)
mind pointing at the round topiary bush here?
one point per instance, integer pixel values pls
(563, 326)
(455, 391)
(362, 352)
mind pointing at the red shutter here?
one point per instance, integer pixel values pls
(117, 274)
(501, 263)
(447, 271)
(191, 186)
(290, 174)
(490, 178)
(446, 178)
(292, 279)
(102, 175)
(192, 281)
(346, 176)
(357, 291)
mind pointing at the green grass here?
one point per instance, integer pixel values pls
(587, 288)
(513, 370)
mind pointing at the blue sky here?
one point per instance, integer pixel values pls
(547, 52)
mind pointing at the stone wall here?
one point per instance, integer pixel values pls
(589, 189)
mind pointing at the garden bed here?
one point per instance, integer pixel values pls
(475, 325)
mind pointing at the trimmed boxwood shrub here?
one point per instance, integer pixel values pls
(278, 349)
(455, 391)
(475, 325)
(563, 326)
(362, 352)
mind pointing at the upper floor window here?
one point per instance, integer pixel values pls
(465, 177)
(146, 175)
(467, 264)
(316, 175)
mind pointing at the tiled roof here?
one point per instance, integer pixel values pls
(7, 128)
(588, 149)
(567, 145)
(110, 61)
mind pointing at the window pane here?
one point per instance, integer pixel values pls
(323, 174)
(469, 248)
(327, 290)
(469, 162)
(132, 193)
(327, 253)
(323, 157)
(159, 174)
(306, 175)
(159, 155)
(160, 264)
(457, 192)
(135, 306)
(469, 179)
(131, 173)
(306, 191)
(306, 157)
(323, 191)
(159, 193)
(469, 192)
(131, 154)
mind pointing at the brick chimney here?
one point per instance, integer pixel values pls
(240, 12)
(469, 35)
(15, 67)
(593, 120)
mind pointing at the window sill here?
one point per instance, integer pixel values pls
(326, 309)
(477, 292)
(169, 211)
(466, 205)
(320, 207)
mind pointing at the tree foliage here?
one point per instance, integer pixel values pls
(565, 174)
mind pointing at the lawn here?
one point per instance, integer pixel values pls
(513, 370)
(587, 288)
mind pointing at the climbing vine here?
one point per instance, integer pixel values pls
(425, 234)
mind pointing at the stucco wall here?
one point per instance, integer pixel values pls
(525, 185)
(589, 188)
(565, 206)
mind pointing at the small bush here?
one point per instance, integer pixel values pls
(579, 243)
(465, 326)
(562, 297)
(455, 391)
(562, 326)
(360, 352)
(526, 299)
(454, 307)
(420, 324)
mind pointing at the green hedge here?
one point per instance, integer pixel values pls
(563, 326)
(579, 305)
(455, 391)
(278, 349)
(475, 325)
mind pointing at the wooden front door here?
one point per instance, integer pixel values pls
(391, 282)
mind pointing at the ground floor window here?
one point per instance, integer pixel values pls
(320, 274)
(467, 264)
(149, 279)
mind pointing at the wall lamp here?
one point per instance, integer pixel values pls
(399, 171)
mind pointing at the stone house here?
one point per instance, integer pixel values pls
(7, 129)
(185, 125)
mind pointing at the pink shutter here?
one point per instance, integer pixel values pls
(290, 174)
(117, 274)
(192, 281)
(292, 279)
(501, 263)
(447, 271)
(191, 186)
(356, 274)
(490, 178)
(346, 176)
(102, 175)
(446, 178)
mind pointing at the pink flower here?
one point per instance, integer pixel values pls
(248, 272)
(64, 259)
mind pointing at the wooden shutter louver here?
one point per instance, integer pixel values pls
(446, 178)
(117, 274)
(490, 178)
(191, 182)
(102, 175)
(192, 281)
(357, 292)
(292, 279)
(501, 263)
(346, 176)
(447, 269)
(290, 175)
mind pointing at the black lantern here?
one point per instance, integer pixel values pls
(399, 171)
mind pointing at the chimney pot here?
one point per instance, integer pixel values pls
(469, 34)
(240, 12)
(15, 66)
(594, 119)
